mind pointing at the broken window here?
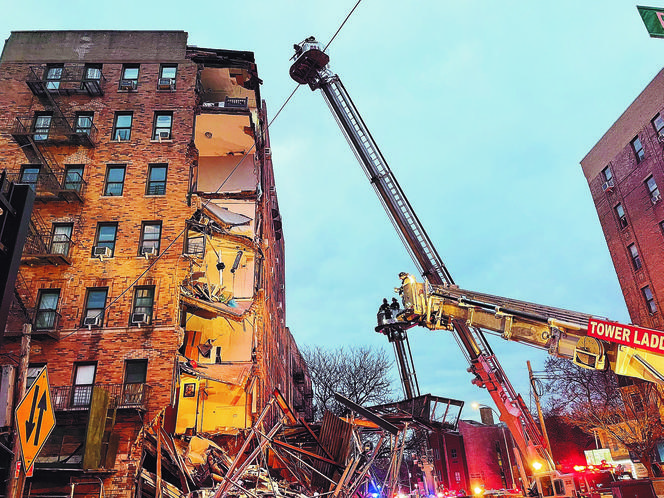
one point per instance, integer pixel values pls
(195, 242)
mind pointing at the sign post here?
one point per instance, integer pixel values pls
(35, 419)
(653, 18)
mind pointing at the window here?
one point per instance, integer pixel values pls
(95, 302)
(84, 381)
(143, 304)
(129, 80)
(83, 123)
(651, 185)
(106, 233)
(47, 305)
(638, 149)
(52, 76)
(30, 175)
(156, 180)
(167, 73)
(150, 237)
(134, 383)
(122, 126)
(73, 177)
(33, 372)
(650, 300)
(163, 122)
(115, 175)
(92, 72)
(634, 254)
(453, 453)
(658, 124)
(622, 218)
(61, 238)
(194, 244)
(42, 125)
(606, 172)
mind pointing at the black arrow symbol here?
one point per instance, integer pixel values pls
(42, 409)
(29, 424)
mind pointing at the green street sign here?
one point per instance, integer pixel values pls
(653, 18)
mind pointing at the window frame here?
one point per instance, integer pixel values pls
(25, 172)
(634, 256)
(64, 243)
(172, 83)
(123, 76)
(150, 183)
(106, 243)
(81, 394)
(88, 311)
(639, 152)
(53, 83)
(41, 133)
(151, 242)
(146, 309)
(651, 305)
(94, 67)
(115, 136)
(623, 222)
(73, 168)
(653, 189)
(658, 131)
(108, 192)
(607, 173)
(133, 392)
(39, 309)
(156, 129)
(78, 128)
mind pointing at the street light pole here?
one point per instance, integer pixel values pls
(477, 406)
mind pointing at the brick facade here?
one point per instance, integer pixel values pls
(183, 287)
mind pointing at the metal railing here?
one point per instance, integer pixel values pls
(73, 79)
(78, 130)
(70, 186)
(78, 397)
(38, 244)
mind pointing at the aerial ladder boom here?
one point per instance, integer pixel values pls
(311, 68)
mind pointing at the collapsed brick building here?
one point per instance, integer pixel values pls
(153, 273)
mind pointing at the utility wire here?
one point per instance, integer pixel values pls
(246, 153)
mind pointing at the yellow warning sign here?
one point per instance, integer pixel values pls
(35, 419)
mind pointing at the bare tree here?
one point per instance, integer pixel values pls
(359, 373)
(627, 410)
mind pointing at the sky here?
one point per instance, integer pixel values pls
(483, 112)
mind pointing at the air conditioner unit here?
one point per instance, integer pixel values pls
(656, 198)
(148, 252)
(92, 321)
(166, 84)
(139, 319)
(102, 252)
(128, 84)
(164, 135)
(660, 138)
(608, 186)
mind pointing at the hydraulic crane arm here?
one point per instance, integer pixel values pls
(311, 67)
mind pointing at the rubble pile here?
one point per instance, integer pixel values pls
(292, 459)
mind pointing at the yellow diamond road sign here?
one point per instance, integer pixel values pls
(35, 418)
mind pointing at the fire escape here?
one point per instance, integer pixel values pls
(37, 134)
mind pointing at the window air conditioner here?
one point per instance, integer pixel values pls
(166, 84)
(139, 319)
(128, 85)
(608, 186)
(148, 252)
(92, 321)
(102, 252)
(655, 198)
(164, 135)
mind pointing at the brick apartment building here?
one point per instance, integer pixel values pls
(625, 171)
(153, 273)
